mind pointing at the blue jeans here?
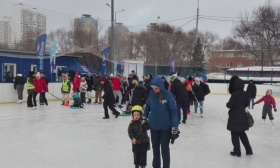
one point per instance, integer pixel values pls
(184, 107)
(251, 100)
(161, 138)
(196, 105)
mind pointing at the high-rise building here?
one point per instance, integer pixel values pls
(5, 31)
(24, 23)
(86, 31)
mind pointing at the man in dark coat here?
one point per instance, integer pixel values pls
(178, 89)
(238, 121)
(252, 91)
(199, 94)
(139, 95)
(109, 98)
(166, 84)
(147, 84)
(90, 83)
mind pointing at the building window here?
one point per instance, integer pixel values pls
(229, 64)
(218, 65)
(34, 68)
(253, 64)
(240, 64)
(9, 72)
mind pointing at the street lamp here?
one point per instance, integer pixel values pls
(156, 42)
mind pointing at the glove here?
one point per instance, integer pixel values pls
(275, 110)
(144, 120)
(174, 134)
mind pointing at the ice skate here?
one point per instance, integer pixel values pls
(34, 108)
(100, 102)
(48, 106)
(263, 121)
(89, 101)
(95, 102)
(272, 122)
(201, 115)
(184, 121)
(19, 101)
(235, 154)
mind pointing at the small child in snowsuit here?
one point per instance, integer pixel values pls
(137, 132)
(77, 101)
(269, 102)
(83, 89)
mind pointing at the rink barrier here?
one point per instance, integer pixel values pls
(9, 95)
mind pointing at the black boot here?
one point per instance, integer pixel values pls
(236, 154)
(136, 166)
(184, 121)
(117, 115)
(63, 102)
(142, 166)
(105, 118)
(249, 153)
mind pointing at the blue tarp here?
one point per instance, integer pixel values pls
(82, 69)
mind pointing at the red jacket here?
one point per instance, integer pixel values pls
(268, 100)
(40, 85)
(116, 83)
(76, 83)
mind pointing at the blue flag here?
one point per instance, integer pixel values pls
(103, 63)
(172, 66)
(52, 51)
(41, 44)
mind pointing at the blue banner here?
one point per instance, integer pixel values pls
(41, 44)
(103, 63)
(172, 66)
(52, 51)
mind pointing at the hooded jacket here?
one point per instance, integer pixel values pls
(178, 89)
(76, 83)
(108, 96)
(139, 95)
(40, 85)
(237, 103)
(19, 80)
(162, 114)
(252, 89)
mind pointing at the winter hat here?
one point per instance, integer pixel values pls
(38, 74)
(190, 78)
(111, 75)
(118, 75)
(77, 73)
(83, 79)
(31, 73)
(269, 92)
(102, 79)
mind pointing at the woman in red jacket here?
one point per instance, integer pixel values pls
(41, 87)
(76, 83)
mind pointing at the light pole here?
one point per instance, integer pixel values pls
(113, 33)
(156, 42)
(197, 14)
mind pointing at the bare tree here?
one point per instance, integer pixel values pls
(261, 31)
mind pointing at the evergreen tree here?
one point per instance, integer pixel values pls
(197, 61)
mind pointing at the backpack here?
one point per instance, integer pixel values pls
(189, 87)
(206, 89)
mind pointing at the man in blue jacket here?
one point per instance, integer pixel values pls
(162, 114)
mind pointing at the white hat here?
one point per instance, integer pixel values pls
(38, 74)
(111, 74)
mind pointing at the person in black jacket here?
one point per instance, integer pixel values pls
(252, 92)
(19, 86)
(199, 94)
(124, 89)
(166, 84)
(178, 89)
(238, 121)
(109, 98)
(98, 89)
(147, 80)
(139, 94)
(90, 83)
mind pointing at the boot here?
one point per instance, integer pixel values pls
(236, 154)
(63, 102)
(95, 102)
(184, 121)
(89, 101)
(249, 153)
(142, 166)
(100, 102)
(136, 166)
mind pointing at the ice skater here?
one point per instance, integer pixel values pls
(109, 98)
(237, 120)
(30, 88)
(252, 91)
(137, 132)
(40, 87)
(76, 83)
(19, 86)
(269, 102)
(90, 82)
(83, 89)
(65, 89)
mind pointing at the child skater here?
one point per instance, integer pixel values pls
(83, 89)
(137, 132)
(269, 102)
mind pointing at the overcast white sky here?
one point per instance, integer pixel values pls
(142, 12)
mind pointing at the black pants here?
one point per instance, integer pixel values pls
(29, 100)
(111, 107)
(83, 97)
(235, 136)
(140, 154)
(43, 97)
(124, 98)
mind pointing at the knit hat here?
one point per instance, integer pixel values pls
(31, 73)
(77, 73)
(111, 75)
(102, 79)
(83, 79)
(38, 74)
(269, 92)
(190, 78)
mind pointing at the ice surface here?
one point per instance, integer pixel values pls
(60, 137)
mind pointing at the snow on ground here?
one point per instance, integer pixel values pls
(60, 137)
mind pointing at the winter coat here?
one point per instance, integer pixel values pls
(268, 100)
(252, 90)
(162, 114)
(125, 87)
(83, 86)
(166, 84)
(40, 86)
(117, 85)
(19, 80)
(76, 83)
(199, 91)
(46, 80)
(130, 86)
(138, 131)
(97, 84)
(178, 89)
(239, 100)
(90, 82)
(108, 93)
(148, 87)
(139, 95)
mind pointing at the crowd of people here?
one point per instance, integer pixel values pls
(156, 104)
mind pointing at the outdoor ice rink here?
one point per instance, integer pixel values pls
(61, 137)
